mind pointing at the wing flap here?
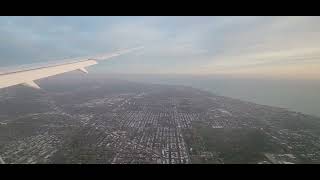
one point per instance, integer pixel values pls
(83, 70)
(32, 84)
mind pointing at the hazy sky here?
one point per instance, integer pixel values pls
(254, 46)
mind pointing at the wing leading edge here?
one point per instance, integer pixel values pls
(28, 76)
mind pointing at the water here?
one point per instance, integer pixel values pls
(295, 95)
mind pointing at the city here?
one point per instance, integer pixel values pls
(119, 122)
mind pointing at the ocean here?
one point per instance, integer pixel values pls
(295, 95)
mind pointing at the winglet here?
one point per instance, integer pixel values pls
(32, 84)
(120, 52)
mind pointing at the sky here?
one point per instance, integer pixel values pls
(278, 47)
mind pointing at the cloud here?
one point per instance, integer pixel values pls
(197, 45)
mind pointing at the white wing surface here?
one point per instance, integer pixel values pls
(27, 76)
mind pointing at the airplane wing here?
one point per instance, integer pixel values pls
(27, 76)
